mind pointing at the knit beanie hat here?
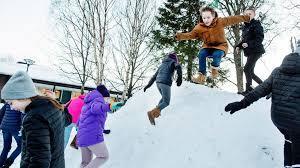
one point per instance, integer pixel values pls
(102, 89)
(19, 86)
(173, 56)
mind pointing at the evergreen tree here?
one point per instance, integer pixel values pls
(179, 15)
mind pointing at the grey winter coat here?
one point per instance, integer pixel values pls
(284, 84)
(165, 73)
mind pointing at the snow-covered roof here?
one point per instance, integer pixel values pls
(39, 72)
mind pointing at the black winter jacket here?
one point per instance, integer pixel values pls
(43, 136)
(165, 72)
(284, 84)
(253, 35)
(10, 120)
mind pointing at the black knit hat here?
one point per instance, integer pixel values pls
(102, 89)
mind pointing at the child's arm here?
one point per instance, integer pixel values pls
(151, 81)
(179, 74)
(232, 20)
(261, 90)
(194, 34)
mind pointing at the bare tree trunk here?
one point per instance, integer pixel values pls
(238, 62)
(126, 83)
(74, 41)
(135, 23)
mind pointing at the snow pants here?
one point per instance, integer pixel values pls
(291, 147)
(101, 152)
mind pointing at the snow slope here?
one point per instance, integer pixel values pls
(193, 132)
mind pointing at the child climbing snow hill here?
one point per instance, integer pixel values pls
(163, 78)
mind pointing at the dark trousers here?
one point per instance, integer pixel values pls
(291, 147)
(249, 70)
(7, 140)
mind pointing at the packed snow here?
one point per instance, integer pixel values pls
(192, 132)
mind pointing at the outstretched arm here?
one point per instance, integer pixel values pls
(260, 91)
(232, 20)
(194, 34)
(152, 80)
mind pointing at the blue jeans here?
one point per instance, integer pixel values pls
(68, 131)
(7, 140)
(165, 91)
(216, 54)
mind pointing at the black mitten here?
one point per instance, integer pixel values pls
(179, 81)
(233, 107)
(145, 88)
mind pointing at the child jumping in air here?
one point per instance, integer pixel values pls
(210, 30)
(163, 78)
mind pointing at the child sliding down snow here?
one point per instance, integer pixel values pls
(163, 78)
(210, 30)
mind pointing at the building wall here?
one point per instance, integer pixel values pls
(3, 80)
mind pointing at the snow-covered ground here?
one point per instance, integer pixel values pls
(193, 132)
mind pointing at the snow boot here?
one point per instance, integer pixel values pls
(73, 143)
(155, 113)
(8, 162)
(200, 79)
(214, 72)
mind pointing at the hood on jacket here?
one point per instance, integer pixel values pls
(291, 64)
(92, 96)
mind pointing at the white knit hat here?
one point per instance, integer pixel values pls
(19, 86)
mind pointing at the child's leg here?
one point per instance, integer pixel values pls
(68, 131)
(296, 149)
(160, 91)
(17, 151)
(86, 156)
(165, 91)
(287, 148)
(7, 138)
(101, 152)
(217, 56)
(202, 60)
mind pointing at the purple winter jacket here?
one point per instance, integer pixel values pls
(92, 119)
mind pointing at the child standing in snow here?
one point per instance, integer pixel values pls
(211, 31)
(163, 78)
(251, 44)
(42, 126)
(74, 107)
(91, 125)
(284, 84)
(10, 124)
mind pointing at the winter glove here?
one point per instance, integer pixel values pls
(145, 88)
(116, 106)
(233, 107)
(179, 81)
